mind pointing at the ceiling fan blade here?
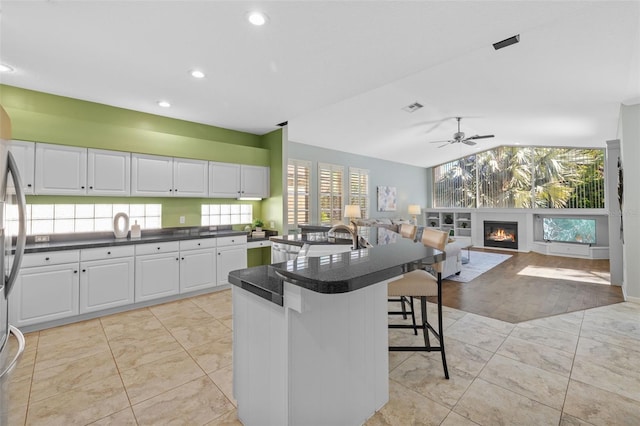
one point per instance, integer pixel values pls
(448, 143)
(445, 140)
(468, 142)
(480, 137)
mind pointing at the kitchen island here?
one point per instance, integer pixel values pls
(310, 340)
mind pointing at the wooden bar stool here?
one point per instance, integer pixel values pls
(422, 284)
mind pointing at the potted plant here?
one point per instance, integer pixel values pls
(258, 224)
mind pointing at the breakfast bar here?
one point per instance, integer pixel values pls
(310, 341)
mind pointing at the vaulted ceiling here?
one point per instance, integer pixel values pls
(340, 72)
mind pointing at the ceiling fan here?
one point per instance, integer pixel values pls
(460, 137)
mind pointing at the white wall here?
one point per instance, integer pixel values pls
(410, 181)
(630, 149)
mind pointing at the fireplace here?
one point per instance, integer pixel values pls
(501, 234)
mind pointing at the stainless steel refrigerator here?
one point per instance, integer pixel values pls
(12, 206)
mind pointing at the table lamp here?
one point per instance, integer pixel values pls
(414, 210)
(352, 211)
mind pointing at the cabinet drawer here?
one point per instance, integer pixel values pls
(50, 258)
(101, 253)
(197, 244)
(230, 241)
(157, 248)
(258, 244)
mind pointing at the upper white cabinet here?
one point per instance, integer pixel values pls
(109, 172)
(224, 180)
(60, 170)
(190, 178)
(254, 181)
(228, 180)
(151, 175)
(24, 153)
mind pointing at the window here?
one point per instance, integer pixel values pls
(330, 178)
(225, 214)
(68, 218)
(517, 177)
(298, 186)
(359, 189)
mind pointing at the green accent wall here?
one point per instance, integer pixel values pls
(42, 117)
(272, 209)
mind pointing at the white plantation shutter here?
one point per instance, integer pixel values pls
(330, 177)
(298, 185)
(359, 189)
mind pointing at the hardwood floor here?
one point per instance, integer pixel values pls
(530, 285)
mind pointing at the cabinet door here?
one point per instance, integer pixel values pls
(190, 178)
(60, 170)
(44, 293)
(157, 275)
(255, 181)
(151, 175)
(197, 269)
(229, 259)
(108, 172)
(25, 155)
(106, 284)
(224, 180)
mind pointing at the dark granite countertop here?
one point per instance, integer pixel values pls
(106, 239)
(337, 273)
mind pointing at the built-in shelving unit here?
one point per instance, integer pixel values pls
(458, 221)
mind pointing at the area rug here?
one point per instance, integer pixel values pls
(479, 263)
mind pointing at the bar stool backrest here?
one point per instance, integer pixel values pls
(408, 231)
(436, 239)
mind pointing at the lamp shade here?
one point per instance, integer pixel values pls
(415, 209)
(352, 211)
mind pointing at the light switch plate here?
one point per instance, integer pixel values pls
(42, 238)
(182, 220)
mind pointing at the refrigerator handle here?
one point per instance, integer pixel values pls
(22, 225)
(21, 343)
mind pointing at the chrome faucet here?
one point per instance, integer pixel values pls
(352, 231)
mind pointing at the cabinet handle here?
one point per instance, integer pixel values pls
(158, 248)
(91, 187)
(170, 190)
(84, 270)
(176, 189)
(219, 253)
(233, 241)
(177, 258)
(82, 187)
(198, 243)
(75, 272)
(29, 185)
(46, 258)
(108, 252)
(183, 258)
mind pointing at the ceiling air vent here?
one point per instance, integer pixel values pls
(413, 107)
(284, 123)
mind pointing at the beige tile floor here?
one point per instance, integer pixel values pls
(171, 364)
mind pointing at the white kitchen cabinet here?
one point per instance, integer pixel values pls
(254, 181)
(197, 264)
(190, 178)
(60, 170)
(151, 175)
(232, 255)
(25, 155)
(106, 278)
(227, 180)
(108, 173)
(157, 272)
(47, 288)
(224, 180)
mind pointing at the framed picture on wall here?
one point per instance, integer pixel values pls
(387, 198)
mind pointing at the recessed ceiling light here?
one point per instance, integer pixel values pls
(257, 18)
(5, 68)
(196, 74)
(164, 104)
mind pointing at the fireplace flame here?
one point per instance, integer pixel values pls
(501, 235)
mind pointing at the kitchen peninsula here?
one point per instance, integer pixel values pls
(310, 341)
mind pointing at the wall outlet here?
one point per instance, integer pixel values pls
(42, 238)
(182, 220)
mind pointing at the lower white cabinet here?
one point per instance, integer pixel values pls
(197, 264)
(107, 281)
(232, 255)
(45, 290)
(157, 274)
